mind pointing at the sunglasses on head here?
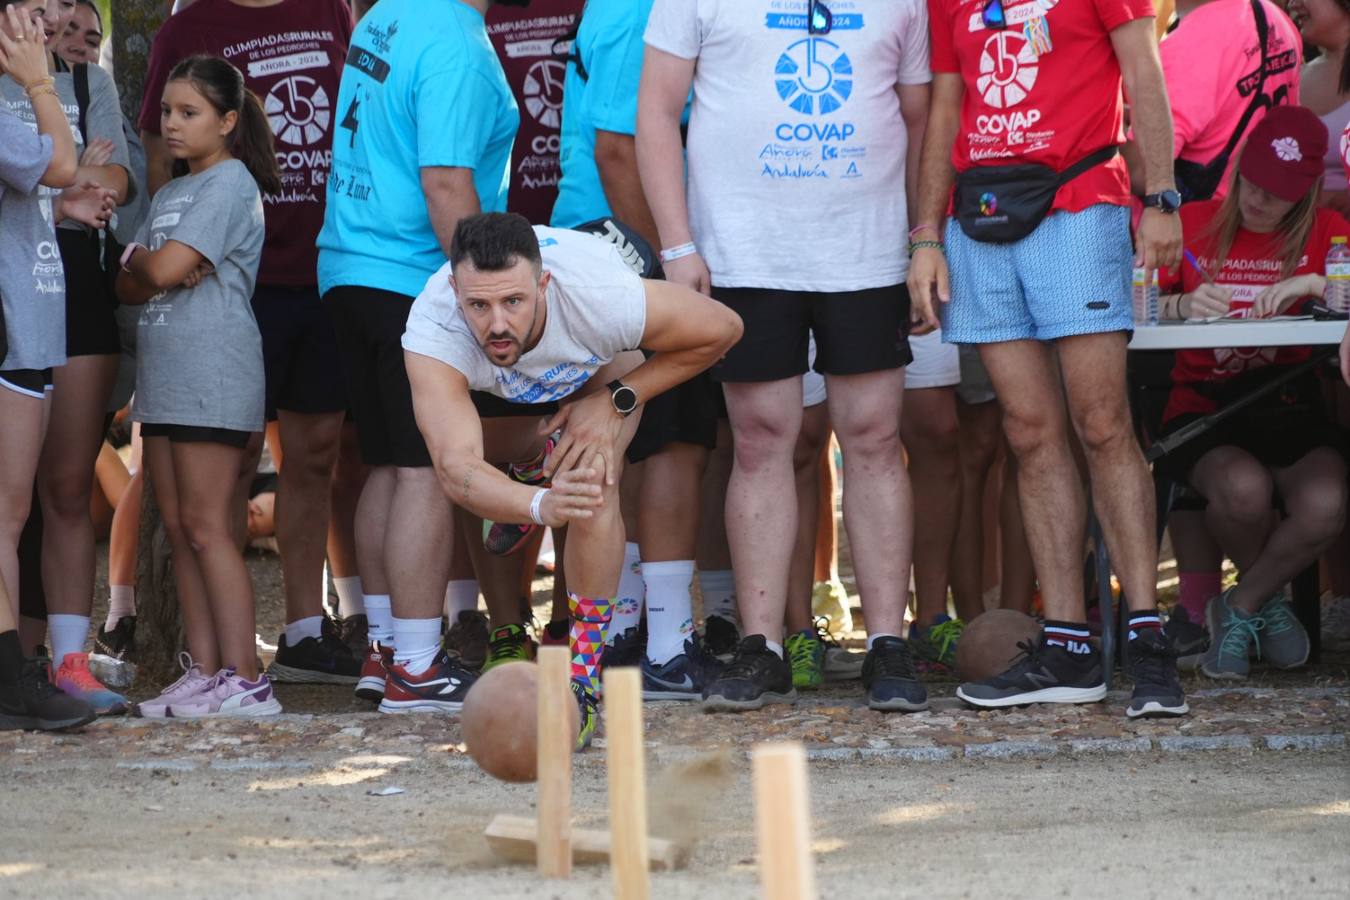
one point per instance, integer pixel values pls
(819, 19)
(992, 14)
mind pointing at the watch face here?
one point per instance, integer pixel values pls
(625, 399)
(1169, 201)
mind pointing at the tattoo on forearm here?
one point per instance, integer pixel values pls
(464, 488)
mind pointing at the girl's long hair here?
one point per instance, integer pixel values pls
(251, 141)
(1294, 228)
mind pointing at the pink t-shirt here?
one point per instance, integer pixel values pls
(1211, 63)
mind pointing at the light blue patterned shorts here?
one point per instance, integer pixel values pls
(1069, 276)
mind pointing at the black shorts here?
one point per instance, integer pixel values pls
(370, 324)
(300, 351)
(490, 406)
(91, 326)
(856, 332)
(687, 414)
(29, 382)
(195, 434)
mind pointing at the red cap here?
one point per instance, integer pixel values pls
(1284, 152)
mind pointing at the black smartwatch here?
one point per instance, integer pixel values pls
(1164, 201)
(624, 398)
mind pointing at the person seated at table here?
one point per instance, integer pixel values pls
(1273, 474)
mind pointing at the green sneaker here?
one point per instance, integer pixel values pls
(1232, 634)
(590, 715)
(1284, 641)
(806, 655)
(934, 647)
(508, 643)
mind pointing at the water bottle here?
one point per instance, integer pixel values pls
(1337, 295)
(1146, 297)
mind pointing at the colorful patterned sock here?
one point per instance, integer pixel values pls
(532, 472)
(1143, 619)
(586, 638)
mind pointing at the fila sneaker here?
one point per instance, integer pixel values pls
(441, 688)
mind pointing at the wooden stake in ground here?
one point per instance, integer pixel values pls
(556, 743)
(787, 870)
(627, 783)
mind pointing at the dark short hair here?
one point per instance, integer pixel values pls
(494, 241)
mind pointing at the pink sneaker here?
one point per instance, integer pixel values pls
(193, 680)
(227, 695)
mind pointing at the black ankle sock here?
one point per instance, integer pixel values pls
(1143, 619)
(1072, 636)
(11, 657)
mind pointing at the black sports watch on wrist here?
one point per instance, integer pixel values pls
(1164, 201)
(624, 398)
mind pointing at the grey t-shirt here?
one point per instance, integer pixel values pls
(199, 355)
(32, 282)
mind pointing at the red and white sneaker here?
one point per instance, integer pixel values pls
(441, 688)
(374, 672)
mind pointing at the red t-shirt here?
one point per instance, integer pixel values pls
(291, 55)
(1046, 89)
(1253, 264)
(530, 44)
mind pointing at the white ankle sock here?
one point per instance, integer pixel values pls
(872, 638)
(380, 618)
(628, 602)
(121, 603)
(68, 634)
(351, 602)
(460, 596)
(719, 594)
(416, 642)
(308, 627)
(776, 648)
(670, 608)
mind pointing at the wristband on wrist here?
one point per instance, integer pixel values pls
(679, 252)
(536, 503)
(45, 81)
(917, 228)
(920, 245)
(128, 253)
(34, 93)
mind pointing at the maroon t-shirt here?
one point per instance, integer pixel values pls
(291, 55)
(532, 47)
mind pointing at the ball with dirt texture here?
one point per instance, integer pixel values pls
(988, 644)
(499, 721)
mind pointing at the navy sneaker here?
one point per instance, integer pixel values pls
(755, 676)
(1152, 662)
(889, 677)
(682, 678)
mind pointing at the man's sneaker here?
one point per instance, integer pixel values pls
(1152, 662)
(720, 637)
(321, 660)
(1232, 636)
(806, 655)
(112, 661)
(441, 688)
(754, 677)
(374, 672)
(354, 631)
(840, 664)
(508, 643)
(34, 703)
(468, 638)
(1189, 639)
(889, 677)
(589, 706)
(830, 600)
(190, 682)
(1336, 624)
(627, 649)
(227, 695)
(682, 678)
(1284, 641)
(1041, 674)
(934, 647)
(74, 678)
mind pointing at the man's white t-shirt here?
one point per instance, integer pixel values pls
(596, 308)
(796, 142)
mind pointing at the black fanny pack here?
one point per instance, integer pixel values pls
(1002, 204)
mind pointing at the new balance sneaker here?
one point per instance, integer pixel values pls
(889, 677)
(1041, 674)
(682, 678)
(227, 695)
(74, 678)
(934, 647)
(720, 637)
(1232, 636)
(1189, 639)
(1152, 662)
(1336, 623)
(35, 704)
(627, 649)
(112, 661)
(190, 682)
(806, 655)
(830, 600)
(468, 638)
(321, 660)
(374, 672)
(589, 705)
(508, 643)
(441, 688)
(1284, 641)
(754, 677)
(354, 631)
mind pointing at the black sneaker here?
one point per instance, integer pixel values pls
(755, 676)
(354, 631)
(890, 679)
(34, 703)
(1042, 674)
(1152, 664)
(720, 637)
(1189, 639)
(628, 649)
(322, 660)
(468, 638)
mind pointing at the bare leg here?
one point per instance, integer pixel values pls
(668, 512)
(349, 478)
(827, 536)
(498, 576)
(20, 448)
(417, 544)
(372, 520)
(248, 469)
(814, 436)
(977, 447)
(713, 552)
(304, 486)
(1018, 578)
(929, 432)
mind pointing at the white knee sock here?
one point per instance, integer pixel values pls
(121, 603)
(300, 629)
(68, 634)
(719, 594)
(460, 596)
(380, 618)
(416, 642)
(628, 603)
(351, 602)
(670, 608)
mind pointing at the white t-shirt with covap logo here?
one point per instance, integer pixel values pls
(796, 142)
(597, 308)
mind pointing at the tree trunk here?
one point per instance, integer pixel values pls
(134, 23)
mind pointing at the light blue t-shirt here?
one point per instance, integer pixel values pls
(421, 87)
